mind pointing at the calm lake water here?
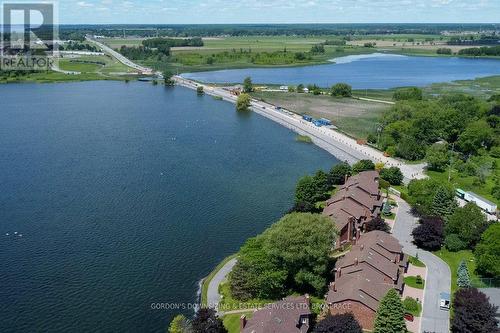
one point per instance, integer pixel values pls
(376, 71)
(127, 195)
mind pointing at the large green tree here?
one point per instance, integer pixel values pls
(476, 136)
(243, 103)
(341, 90)
(390, 314)
(487, 252)
(438, 157)
(206, 320)
(338, 173)
(393, 175)
(292, 255)
(468, 223)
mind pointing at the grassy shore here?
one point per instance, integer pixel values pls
(206, 281)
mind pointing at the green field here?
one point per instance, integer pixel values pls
(355, 117)
(104, 65)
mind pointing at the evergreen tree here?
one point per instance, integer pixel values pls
(390, 314)
(444, 202)
(463, 280)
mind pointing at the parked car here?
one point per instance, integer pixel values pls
(444, 303)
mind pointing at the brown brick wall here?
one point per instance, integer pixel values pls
(363, 314)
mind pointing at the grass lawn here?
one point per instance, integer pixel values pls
(411, 281)
(232, 321)
(415, 262)
(453, 260)
(352, 116)
(206, 281)
(78, 66)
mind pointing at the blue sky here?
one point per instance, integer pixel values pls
(278, 11)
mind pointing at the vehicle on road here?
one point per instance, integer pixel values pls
(444, 303)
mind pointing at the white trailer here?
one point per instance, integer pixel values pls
(481, 202)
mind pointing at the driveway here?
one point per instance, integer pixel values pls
(438, 273)
(213, 296)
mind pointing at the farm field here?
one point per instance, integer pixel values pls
(352, 116)
(100, 65)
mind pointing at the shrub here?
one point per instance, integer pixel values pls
(454, 243)
(405, 94)
(377, 223)
(411, 305)
(341, 323)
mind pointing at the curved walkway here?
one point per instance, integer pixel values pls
(438, 273)
(213, 296)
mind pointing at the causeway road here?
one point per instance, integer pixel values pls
(342, 146)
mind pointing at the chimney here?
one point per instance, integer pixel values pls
(243, 322)
(334, 287)
(362, 246)
(308, 300)
(356, 262)
(339, 272)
